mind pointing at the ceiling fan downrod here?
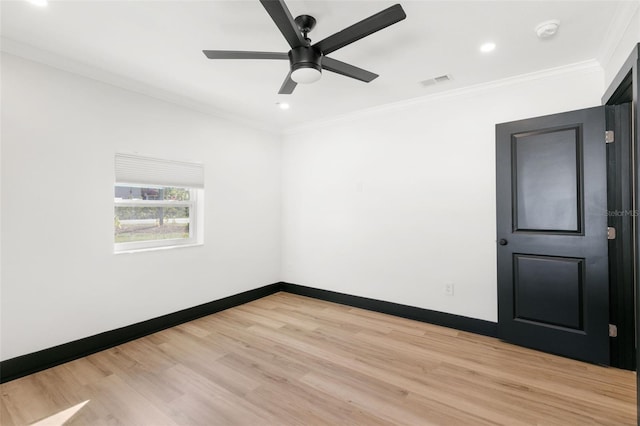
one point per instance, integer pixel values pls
(306, 23)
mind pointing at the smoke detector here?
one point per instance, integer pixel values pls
(547, 29)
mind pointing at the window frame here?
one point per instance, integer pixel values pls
(146, 171)
(192, 204)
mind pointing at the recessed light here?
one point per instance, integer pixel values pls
(282, 105)
(487, 47)
(39, 3)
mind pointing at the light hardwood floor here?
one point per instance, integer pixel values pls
(291, 360)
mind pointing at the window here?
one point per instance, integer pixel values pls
(157, 203)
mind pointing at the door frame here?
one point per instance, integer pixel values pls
(622, 208)
(624, 84)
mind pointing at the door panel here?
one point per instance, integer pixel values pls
(548, 290)
(547, 174)
(552, 234)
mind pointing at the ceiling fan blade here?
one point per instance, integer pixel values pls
(280, 14)
(361, 29)
(235, 54)
(287, 86)
(348, 70)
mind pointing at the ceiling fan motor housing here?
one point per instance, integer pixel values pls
(305, 57)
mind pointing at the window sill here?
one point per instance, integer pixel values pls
(179, 246)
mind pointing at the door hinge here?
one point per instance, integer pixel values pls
(611, 233)
(609, 136)
(613, 330)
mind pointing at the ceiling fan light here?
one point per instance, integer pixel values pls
(306, 75)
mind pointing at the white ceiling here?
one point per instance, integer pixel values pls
(157, 46)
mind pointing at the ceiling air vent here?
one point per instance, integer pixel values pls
(436, 80)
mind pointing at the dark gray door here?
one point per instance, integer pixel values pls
(552, 234)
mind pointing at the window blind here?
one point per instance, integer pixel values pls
(134, 169)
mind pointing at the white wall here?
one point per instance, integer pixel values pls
(60, 278)
(390, 204)
(395, 203)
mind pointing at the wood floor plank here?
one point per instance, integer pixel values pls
(291, 360)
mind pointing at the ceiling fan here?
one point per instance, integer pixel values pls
(308, 60)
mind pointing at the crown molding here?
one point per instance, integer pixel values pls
(75, 67)
(60, 62)
(618, 26)
(588, 66)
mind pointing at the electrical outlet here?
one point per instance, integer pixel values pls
(448, 289)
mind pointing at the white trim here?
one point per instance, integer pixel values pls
(618, 26)
(152, 244)
(590, 65)
(142, 250)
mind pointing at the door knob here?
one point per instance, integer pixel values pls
(503, 242)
